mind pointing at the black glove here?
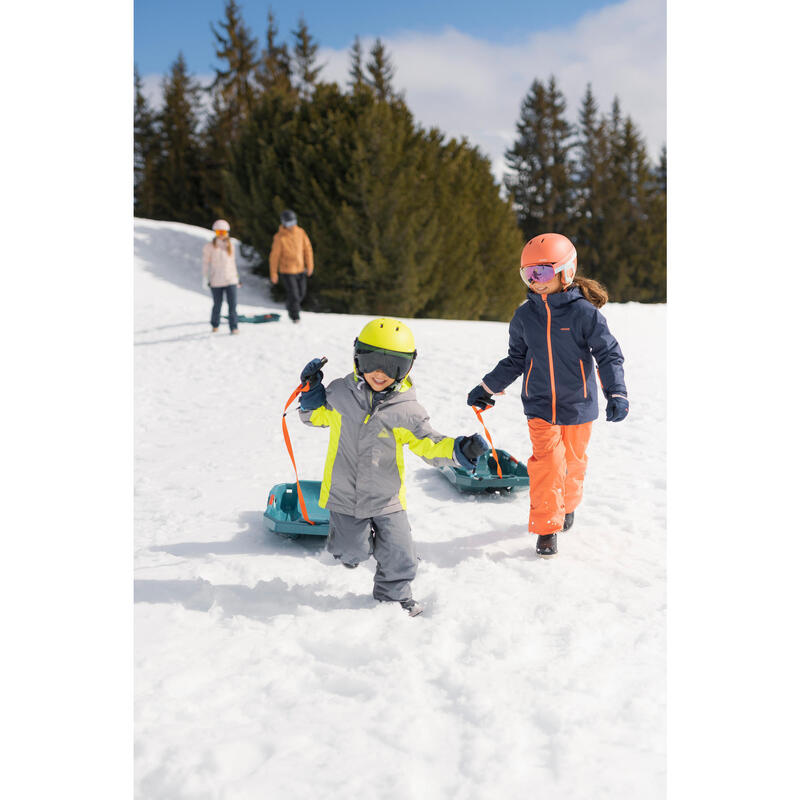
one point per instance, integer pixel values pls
(617, 408)
(468, 449)
(480, 397)
(313, 398)
(312, 374)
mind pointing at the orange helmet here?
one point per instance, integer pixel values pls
(554, 250)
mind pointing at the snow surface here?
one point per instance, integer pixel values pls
(265, 670)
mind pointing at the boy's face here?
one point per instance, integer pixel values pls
(378, 380)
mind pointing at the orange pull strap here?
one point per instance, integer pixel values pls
(478, 414)
(301, 499)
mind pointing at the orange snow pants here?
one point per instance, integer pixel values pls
(556, 469)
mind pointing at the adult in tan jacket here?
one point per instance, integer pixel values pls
(292, 258)
(220, 274)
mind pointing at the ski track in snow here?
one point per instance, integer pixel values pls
(264, 669)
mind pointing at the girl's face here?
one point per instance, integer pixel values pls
(378, 380)
(552, 286)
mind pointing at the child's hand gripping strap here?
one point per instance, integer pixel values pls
(300, 498)
(479, 415)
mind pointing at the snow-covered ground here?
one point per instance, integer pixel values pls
(265, 670)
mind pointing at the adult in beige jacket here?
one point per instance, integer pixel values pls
(292, 258)
(221, 275)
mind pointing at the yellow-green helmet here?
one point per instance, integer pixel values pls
(387, 345)
(388, 334)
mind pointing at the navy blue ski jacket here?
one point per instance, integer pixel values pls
(551, 342)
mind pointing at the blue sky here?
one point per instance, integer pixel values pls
(162, 28)
(462, 69)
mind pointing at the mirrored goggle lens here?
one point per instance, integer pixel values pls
(395, 366)
(538, 273)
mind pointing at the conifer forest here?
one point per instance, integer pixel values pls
(404, 221)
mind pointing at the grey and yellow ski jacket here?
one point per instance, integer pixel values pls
(364, 469)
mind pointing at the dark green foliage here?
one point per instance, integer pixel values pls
(305, 57)
(234, 83)
(357, 79)
(540, 162)
(233, 94)
(402, 223)
(380, 72)
(178, 178)
(274, 72)
(594, 184)
(145, 151)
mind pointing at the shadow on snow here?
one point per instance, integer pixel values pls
(255, 539)
(261, 602)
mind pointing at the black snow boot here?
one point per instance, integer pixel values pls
(546, 546)
(412, 606)
(568, 520)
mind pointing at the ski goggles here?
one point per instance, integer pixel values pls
(391, 363)
(539, 273)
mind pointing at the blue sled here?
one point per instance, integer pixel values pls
(484, 477)
(257, 318)
(283, 513)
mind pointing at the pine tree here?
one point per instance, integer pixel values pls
(215, 141)
(380, 71)
(632, 246)
(145, 151)
(274, 73)
(661, 170)
(591, 167)
(658, 215)
(477, 242)
(606, 197)
(258, 181)
(305, 55)
(541, 166)
(178, 167)
(234, 83)
(233, 94)
(356, 72)
(401, 222)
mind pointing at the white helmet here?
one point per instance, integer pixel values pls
(220, 225)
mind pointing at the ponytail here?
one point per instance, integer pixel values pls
(593, 291)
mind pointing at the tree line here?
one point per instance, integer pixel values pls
(403, 220)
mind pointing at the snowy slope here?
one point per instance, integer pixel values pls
(263, 669)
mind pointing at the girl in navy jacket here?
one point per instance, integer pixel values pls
(553, 338)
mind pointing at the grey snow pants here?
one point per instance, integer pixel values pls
(388, 538)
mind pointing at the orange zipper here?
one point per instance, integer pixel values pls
(528, 376)
(550, 359)
(583, 375)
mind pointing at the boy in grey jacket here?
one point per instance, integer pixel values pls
(372, 414)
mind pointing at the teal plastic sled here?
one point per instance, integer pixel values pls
(258, 318)
(485, 478)
(283, 514)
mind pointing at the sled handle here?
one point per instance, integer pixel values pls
(479, 415)
(288, 441)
